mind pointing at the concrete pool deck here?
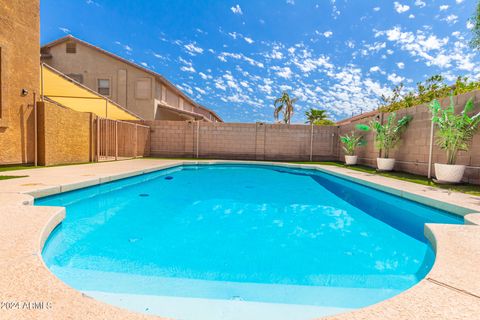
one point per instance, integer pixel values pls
(28, 290)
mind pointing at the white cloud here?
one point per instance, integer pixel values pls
(283, 72)
(187, 68)
(458, 1)
(236, 9)
(64, 30)
(309, 64)
(249, 40)
(376, 9)
(470, 25)
(420, 3)
(328, 34)
(375, 69)
(124, 46)
(395, 79)
(444, 7)
(292, 2)
(411, 16)
(401, 8)
(239, 56)
(192, 49)
(433, 51)
(400, 65)
(275, 54)
(200, 90)
(204, 76)
(451, 19)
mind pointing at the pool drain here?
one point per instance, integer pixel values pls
(144, 195)
(168, 178)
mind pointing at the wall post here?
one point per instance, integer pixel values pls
(430, 151)
(116, 140)
(198, 138)
(311, 142)
(136, 140)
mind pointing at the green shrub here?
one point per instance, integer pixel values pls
(454, 131)
(387, 135)
(425, 92)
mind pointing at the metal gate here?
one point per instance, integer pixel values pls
(117, 140)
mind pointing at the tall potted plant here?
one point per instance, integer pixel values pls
(387, 136)
(454, 133)
(350, 143)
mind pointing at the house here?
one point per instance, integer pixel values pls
(19, 79)
(138, 89)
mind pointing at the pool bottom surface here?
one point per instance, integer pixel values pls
(199, 242)
(208, 309)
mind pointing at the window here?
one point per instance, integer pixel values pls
(71, 47)
(104, 87)
(76, 76)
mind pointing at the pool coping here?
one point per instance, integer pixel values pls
(453, 279)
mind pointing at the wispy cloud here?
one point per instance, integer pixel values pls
(401, 8)
(236, 9)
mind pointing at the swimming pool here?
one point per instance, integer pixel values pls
(239, 241)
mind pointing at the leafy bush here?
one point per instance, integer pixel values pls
(388, 135)
(455, 131)
(324, 122)
(425, 92)
(318, 117)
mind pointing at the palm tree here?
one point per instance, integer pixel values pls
(475, 21)
(284, 104)
(315, 115)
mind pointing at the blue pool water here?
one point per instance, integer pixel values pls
(239, 241)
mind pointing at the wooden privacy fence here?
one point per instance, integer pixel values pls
(115, 139)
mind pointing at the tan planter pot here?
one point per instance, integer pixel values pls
(385, 164)
(449, 173)
(351, 160)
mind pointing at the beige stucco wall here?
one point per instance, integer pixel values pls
(19, 44)
(94, 65)
(64, 135)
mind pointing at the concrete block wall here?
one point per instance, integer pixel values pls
(259, 141)
(413, 151)
(249, 141)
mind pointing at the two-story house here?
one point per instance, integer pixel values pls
(138, 89)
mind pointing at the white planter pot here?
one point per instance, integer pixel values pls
(351, 160)
(449, 173)
(385, 164)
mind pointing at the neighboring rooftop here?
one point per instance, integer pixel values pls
(203, 112)
(357, 117)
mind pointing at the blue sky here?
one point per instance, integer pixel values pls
(235, 57)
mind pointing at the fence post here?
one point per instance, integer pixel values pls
(116, 140)
(198, 137)
(98, 140)
(311, 142)
(107, 138)
(430, 151)
(136, 140)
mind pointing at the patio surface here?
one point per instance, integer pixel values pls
(28, 290)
